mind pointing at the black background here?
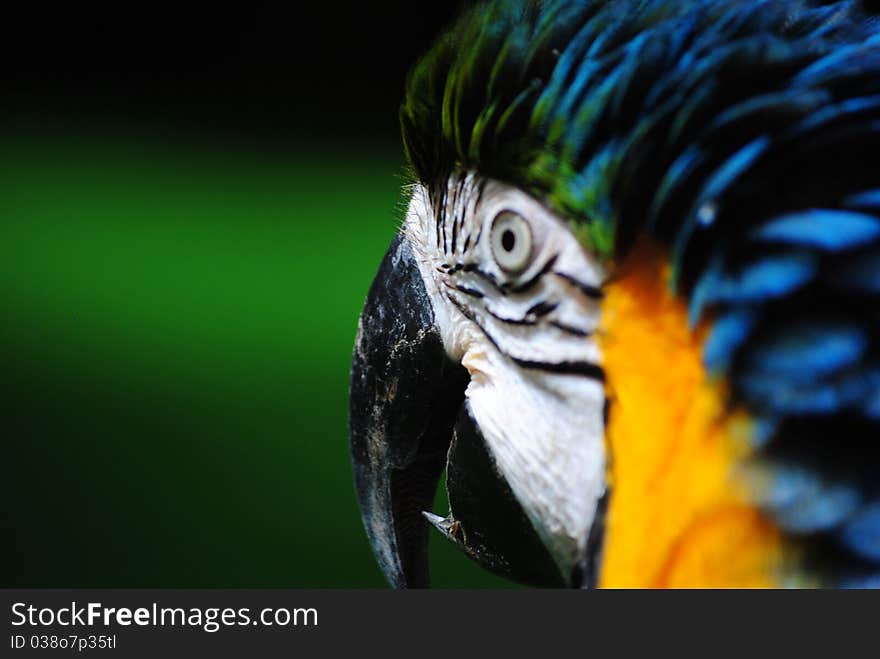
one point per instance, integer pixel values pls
(313, 68)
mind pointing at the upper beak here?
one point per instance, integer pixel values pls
(405, 394)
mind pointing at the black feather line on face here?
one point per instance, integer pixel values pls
(590, 291)
(542, 308)
(569, 329)
(527, 285)
(525, 321)
(471, 292)
(583, 368)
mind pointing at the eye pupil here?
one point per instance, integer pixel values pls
(508, 240)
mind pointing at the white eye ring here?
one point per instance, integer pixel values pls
(511, 241)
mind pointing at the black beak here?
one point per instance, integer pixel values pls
(405, 393)
(407, 421)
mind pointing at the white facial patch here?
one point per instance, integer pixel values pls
(518, 306)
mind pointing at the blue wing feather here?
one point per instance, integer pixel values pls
(729, 332)
(822, 228)
(862, 533)
(803, 502)
(807, 352)
(764, 279)
(868, 200)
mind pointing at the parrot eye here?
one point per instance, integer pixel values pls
(511, 240)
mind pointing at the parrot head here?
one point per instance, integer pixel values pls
(628, 309)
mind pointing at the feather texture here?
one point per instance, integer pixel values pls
(743, 135)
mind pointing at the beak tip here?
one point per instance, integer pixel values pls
(442, 524)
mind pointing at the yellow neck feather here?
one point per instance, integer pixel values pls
(676, 517)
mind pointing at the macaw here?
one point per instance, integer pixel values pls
(633, 309)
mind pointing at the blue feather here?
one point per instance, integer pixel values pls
(728, 333)
(684, 115)
(783, 395)
(770, 277)
(743, 137)
(703, 288)
(862, 533)
(839, 61)
(764, 428)
(872, 408)
(803, 502)
(829, 18)
(724, 176)
(868, 199)
(580, 127)
(860, 273)
(733, 168)
(585, 75)
(833, 230)
(677, 174)
(841, 110)
(570, 57)
(871, 582)
(790, 101)
(808, 351)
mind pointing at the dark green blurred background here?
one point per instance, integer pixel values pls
(191, 212)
